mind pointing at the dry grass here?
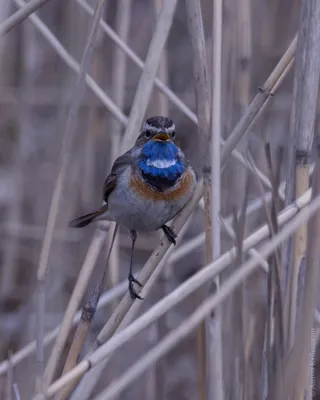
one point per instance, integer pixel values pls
(138, 59)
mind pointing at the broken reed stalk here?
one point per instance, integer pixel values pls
(307, 70)
(202, 98)
(186, 288)
(119, 79)
(43, 267)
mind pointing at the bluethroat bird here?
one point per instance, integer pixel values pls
(147, 187)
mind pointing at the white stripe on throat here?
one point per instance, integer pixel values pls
(161, 163)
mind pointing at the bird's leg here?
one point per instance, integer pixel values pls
(171, 236)
(131, 278)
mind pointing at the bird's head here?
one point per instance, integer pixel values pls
(159, 129)
(159, 154)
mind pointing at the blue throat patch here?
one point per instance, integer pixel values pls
(162, 151)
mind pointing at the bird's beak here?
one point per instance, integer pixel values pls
(164, 137)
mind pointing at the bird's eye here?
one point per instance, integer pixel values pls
(147, 134)
(173, 134)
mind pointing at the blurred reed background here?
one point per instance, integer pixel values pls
(58, 139)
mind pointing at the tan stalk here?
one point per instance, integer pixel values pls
(302, 130)
(202, 98)
(297, 366)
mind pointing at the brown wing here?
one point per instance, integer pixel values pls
(118, 167)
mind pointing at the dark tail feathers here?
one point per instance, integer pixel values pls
(85, 220)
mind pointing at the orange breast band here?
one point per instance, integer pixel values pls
(146, 192)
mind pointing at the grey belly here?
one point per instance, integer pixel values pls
(141, 215)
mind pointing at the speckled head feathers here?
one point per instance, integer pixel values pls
(158, 124)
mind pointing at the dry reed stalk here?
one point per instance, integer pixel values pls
(30, 348)
(196, 281)
(20, 15)
(303, 113)
(43, 267)
(87, 315)
(9, 381)
(77, 294)
(297, 366)
(74, 65)
(119, 73)
(264, 94)
(87, 385)
(156, 379)
(202, 97)
(214, 370)
(274, 336)
(188, 325)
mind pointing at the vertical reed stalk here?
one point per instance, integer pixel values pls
(214, 323)
(119, 79)
(306, 80)
(200, 72)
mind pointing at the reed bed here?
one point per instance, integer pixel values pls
(231, 311)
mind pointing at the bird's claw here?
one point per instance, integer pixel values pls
(132, 291)
(170, 234)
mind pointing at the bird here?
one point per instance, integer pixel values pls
(147, 186)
